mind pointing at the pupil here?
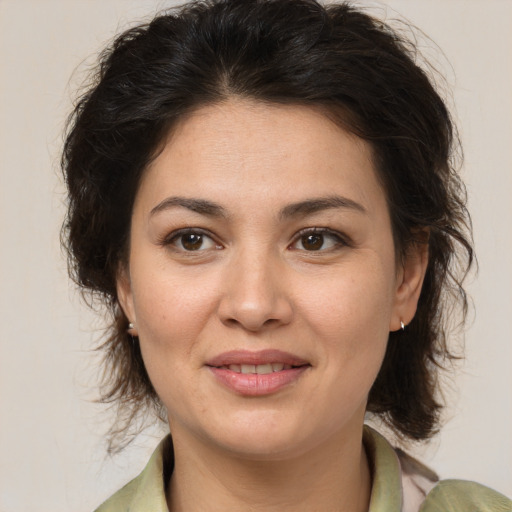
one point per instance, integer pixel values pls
(312, 242)
(192, 242)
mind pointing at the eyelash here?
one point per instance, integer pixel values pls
(171, 239)
(339, 239)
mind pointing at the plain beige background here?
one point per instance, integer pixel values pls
(51, 448)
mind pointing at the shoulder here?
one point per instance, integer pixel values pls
(464, 496)
(401, 482)
(122, 499)
(146, 492)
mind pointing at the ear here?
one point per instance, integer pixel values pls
(410, 275)
(125, 297)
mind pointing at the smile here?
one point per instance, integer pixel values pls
(257, 373)
(260, 369)
(247, 361)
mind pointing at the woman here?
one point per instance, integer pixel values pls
(263, 193)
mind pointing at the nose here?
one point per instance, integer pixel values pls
(255, 293)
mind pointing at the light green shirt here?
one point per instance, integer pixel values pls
(399, 484)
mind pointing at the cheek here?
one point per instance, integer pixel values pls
(351, 314)
(172, 309)
(168, 301)
(168, 328)
(352, 301)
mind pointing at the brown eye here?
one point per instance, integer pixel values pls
(191, 241)
(312, 241)
(318, 239)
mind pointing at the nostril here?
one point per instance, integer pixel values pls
(254, 305)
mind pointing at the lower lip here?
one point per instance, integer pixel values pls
(253, 384)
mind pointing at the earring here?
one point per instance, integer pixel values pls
(131, 326)
(402, 325)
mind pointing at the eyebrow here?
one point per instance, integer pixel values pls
(201, 206)
(314, 205)
(299, 209)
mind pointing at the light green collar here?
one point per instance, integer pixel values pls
(386, 493)
(146, 493)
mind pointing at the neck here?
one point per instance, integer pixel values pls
(334, 476)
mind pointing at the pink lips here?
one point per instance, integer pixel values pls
(268, 370)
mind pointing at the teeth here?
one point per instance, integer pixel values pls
(260, 369)
(263, 369)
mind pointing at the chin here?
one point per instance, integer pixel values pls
(266, 447)
(267, 436)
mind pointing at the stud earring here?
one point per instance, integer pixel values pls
(131, 326)
(402, 325)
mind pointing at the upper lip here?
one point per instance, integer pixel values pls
(256, 358)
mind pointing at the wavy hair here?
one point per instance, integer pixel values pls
(353, 67)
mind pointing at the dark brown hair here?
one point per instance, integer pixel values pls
(336, 58)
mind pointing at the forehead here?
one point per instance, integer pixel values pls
(252, 148)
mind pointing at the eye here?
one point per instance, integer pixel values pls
(191, 240)
(317, 240)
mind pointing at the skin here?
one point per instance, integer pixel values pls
(255, 281)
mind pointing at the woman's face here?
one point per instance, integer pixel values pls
(263, 280)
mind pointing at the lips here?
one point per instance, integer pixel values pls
(257, 373)
(262, 357)
(260, 369)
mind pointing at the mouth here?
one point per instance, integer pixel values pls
(246, 361)
(257, 373)
(259, 369)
